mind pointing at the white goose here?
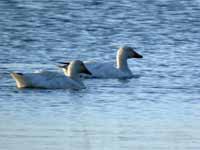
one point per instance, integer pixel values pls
(53, 80)
(109, 70)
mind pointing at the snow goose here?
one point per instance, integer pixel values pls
(53, 80)
(110, 70)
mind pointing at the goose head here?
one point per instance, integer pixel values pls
(128, 52)
(74, 68)
(125, 53)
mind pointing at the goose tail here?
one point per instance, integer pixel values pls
(20, 80)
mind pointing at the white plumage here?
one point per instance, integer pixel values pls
(53, 80)
(111, 70)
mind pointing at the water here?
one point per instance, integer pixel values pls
(157, 110)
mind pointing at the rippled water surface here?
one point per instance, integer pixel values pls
(160, 109)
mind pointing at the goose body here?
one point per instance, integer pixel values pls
(53, 80)
(106, 70)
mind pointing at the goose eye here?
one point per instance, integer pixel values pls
(131, 54)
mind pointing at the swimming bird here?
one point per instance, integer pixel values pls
(110, 70)
(53, 80)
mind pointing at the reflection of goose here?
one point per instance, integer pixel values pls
(53, 80)
(108, 70)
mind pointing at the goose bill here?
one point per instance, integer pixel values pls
(136, 55)
(86, 71)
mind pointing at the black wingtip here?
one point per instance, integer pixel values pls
(64, 63)
(19, 73)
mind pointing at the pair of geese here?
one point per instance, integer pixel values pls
(75, 70)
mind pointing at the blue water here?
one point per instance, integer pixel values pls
(160, 109)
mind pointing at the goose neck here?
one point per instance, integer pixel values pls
(122, 62)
